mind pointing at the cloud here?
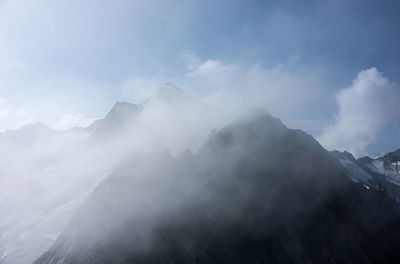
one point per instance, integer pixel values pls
(282, 90)
(56, 100)
(13, 117)
(233, 87)
(229, 87)
(211, 68)
(365, 108)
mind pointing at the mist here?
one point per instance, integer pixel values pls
(52, 180)
(199, 131)
(46, 174)
(211, 185)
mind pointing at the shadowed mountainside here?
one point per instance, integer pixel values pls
(256, 192)
(380, 173)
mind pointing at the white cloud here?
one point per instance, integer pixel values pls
(211, 68)
(232, 88)
(365, 108)
(281, 90)
(228, 87)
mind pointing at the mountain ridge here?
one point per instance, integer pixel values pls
(255, 192)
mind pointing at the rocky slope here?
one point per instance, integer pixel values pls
(256, 192)
(46, 174)
(380, 173)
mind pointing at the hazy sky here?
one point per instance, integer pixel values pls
(318, 65)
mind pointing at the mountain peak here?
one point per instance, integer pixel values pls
(121, 108)
(393, 156)
(167, 92)
(122, 104)
(168, 88)
(118, 113)
(345, 155)
(257, 115)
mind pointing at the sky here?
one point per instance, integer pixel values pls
(330, 67)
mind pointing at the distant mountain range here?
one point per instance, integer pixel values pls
(167, 182)
(381, 173)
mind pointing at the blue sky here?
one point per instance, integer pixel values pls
(67, 62)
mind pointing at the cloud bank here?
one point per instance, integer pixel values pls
(281, 90)
(365, 108)
(231, 88)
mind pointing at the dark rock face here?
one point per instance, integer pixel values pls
(256, 192)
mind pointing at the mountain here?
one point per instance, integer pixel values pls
(45, 174)
(354, 170)
(27, 135)
(119, 115)
(255, 192)
(380, 173)
(37, 189)
(168, 119)
(123, 114)
(388, 165)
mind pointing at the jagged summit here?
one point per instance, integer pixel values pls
(255, 192)
(255, 114)
(345, 155)
(353, 169)
(167, 89)
(380, 173)
(119, 113)
(393, 156)
(168, 92)
(121, 109)
(388, 164)
(162, 121)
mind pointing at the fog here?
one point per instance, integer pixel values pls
(213, 188)
(129, 115)
(164, 162)
(46, 174)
